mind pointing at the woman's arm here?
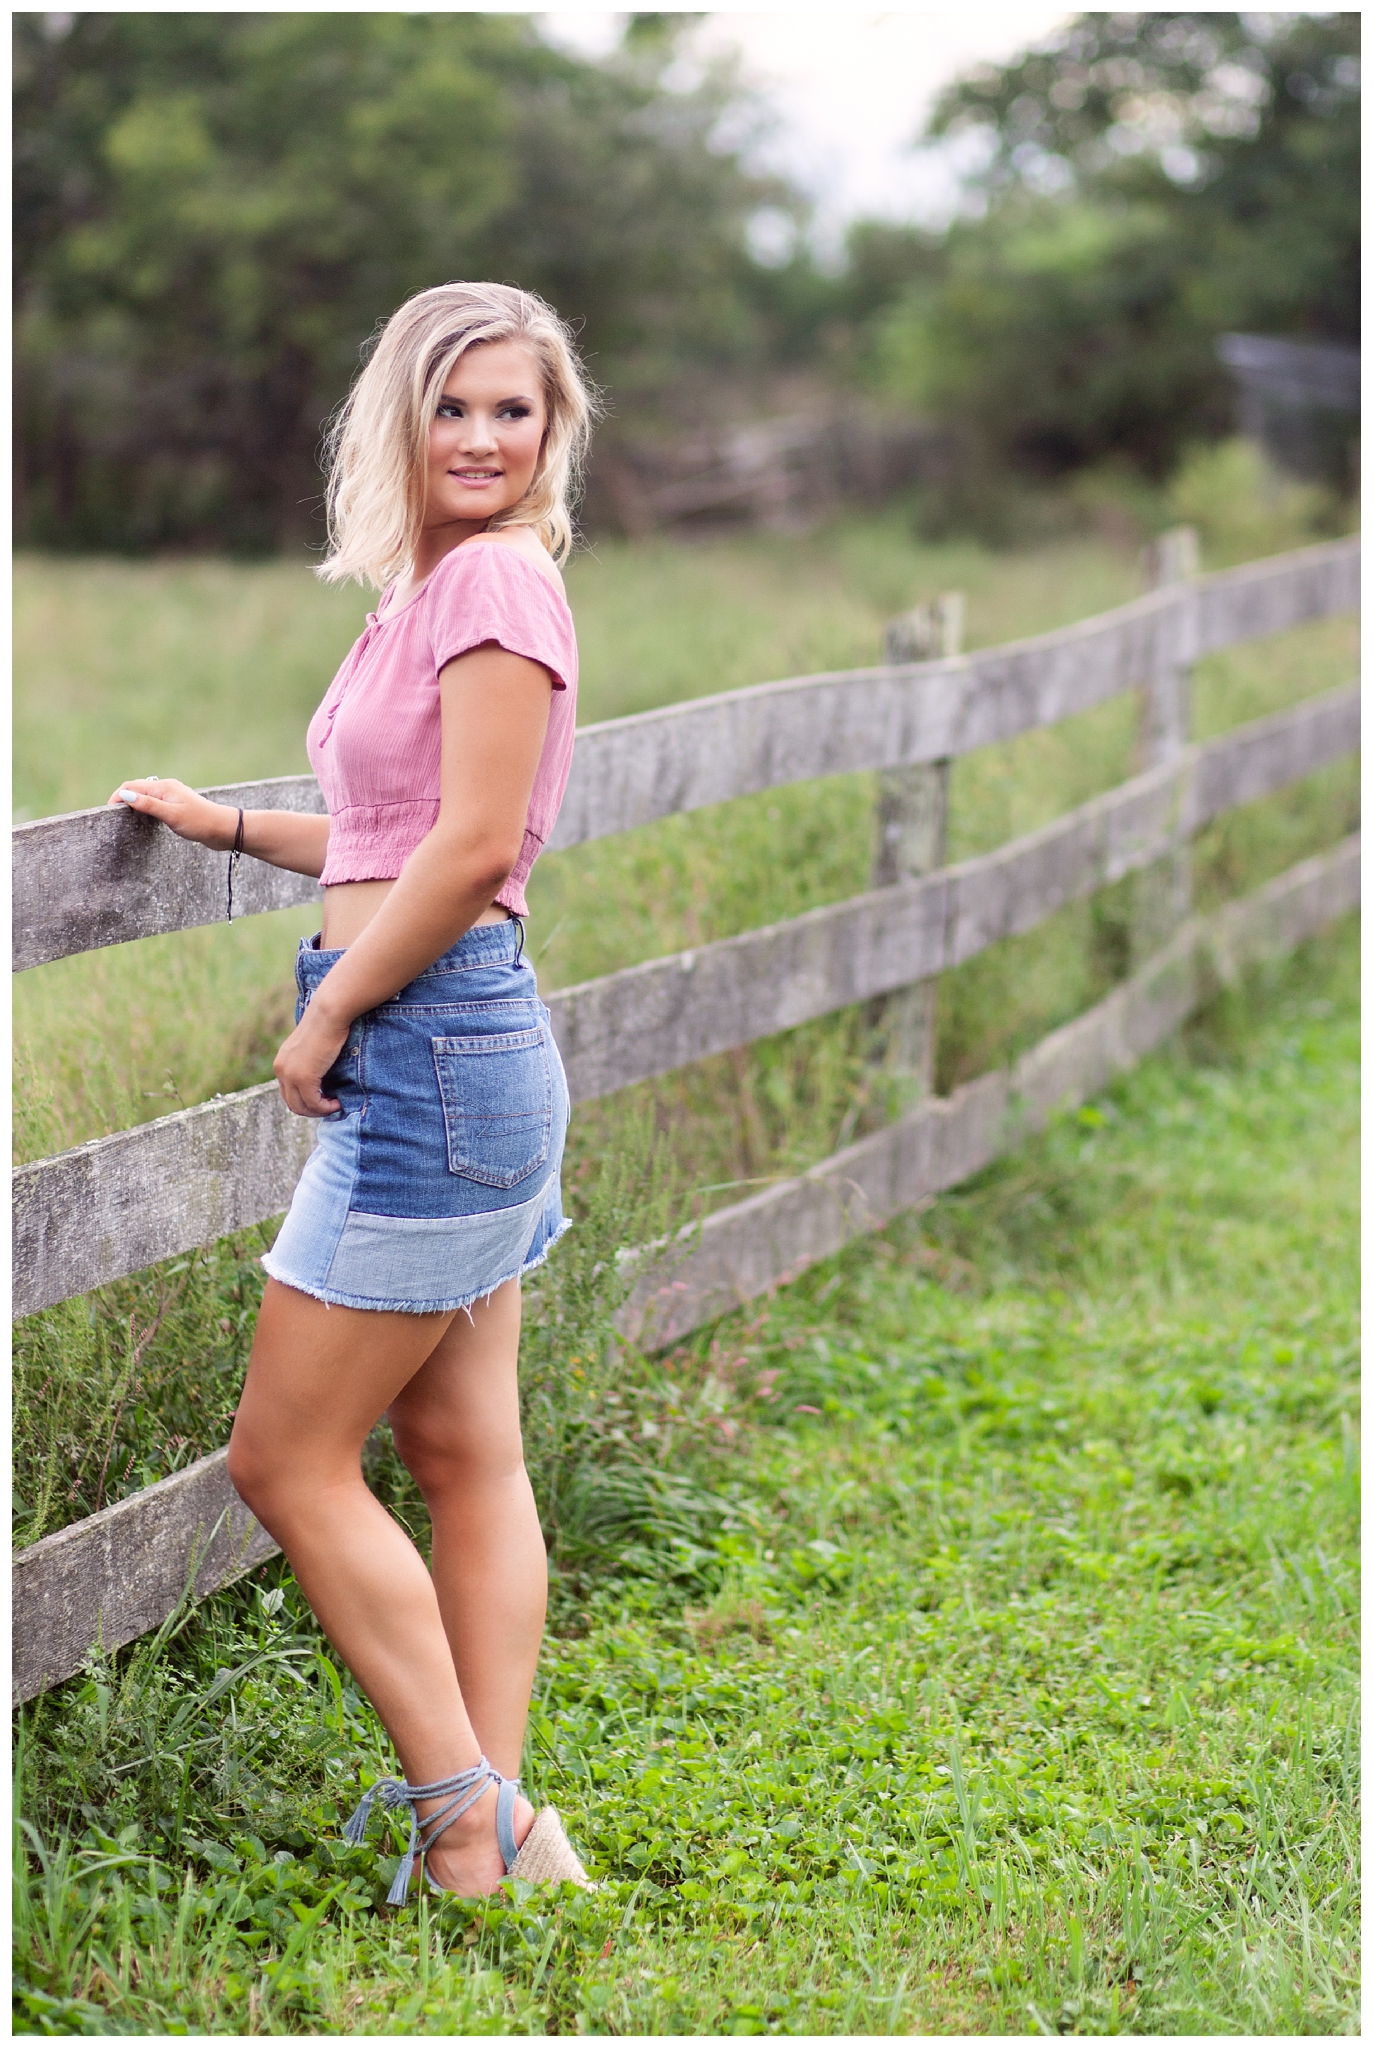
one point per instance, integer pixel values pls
(285, 839)
(495, 716)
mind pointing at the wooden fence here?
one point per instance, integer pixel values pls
(102, 877)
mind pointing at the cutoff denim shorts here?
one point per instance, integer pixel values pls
(437, 1180)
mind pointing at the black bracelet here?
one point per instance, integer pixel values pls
(234, 858)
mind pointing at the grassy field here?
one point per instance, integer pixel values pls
(215, 668)
(104, 1400)
(966, 1644)
(210, 670)
(961, 1642)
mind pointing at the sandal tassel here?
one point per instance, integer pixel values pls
(460, 1792)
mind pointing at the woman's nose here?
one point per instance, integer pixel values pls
(479, 437)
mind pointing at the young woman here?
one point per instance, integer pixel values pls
(442, 747)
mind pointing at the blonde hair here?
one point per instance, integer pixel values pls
(378, 440)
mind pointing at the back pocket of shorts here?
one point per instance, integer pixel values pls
(497, 1093)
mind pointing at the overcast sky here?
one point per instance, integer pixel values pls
(851, 86)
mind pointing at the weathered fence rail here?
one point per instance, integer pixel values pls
(100, 877)
(85, 1217)
(741, 1252)
(97, 878)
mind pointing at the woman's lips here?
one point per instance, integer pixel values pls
(476, 476)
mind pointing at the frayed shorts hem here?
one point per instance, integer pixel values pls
(332, 1298)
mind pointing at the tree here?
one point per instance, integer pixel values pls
(1243, 129)
(1147, 182)
(215, 211)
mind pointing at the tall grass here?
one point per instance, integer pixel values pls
(107, 1040)
(959, 1641)
(966, 1644)
(213, 662)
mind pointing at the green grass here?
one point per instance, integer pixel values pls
(1032, 1520)
(214, 668)
(104, 1402)
(961, 1642)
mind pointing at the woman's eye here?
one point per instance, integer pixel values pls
(514, 412)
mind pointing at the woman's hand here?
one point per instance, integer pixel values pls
(306, 1058)
(184, 811)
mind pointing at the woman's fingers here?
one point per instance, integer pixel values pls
(303, 1092)
(153, 793)
(302, 1063)
(182, 810)
(302, 1104)
(139, 790)
(307, 1102)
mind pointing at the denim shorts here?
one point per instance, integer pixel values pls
(436, 1180)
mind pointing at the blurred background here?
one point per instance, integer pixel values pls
(881, 307)
(960, 310)
(1013, 324)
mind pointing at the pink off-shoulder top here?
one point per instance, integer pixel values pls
(374, 741)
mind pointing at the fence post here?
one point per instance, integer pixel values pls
(912, 829)
(1163, 893)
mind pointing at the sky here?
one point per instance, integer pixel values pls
(851, 86)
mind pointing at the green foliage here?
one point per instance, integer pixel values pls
(1054, 329)
(1248, 111)
(218, 663)
(1018, 1696)
(1147, 182)
(1241, 508)
(104, 1402)
(215, 211)
(1242, 129)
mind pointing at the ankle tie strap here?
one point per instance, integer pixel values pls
(460, 1792)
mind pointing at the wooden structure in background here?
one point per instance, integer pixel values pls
(95, 878)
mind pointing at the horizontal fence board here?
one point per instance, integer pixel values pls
(650, 1019)
(1259, 598)
(631, 771)
(119, 1204)
(1259, 759)
(1290, 908)
(98, 878)
(106, 1580)
(103, 877)
(741, 1252)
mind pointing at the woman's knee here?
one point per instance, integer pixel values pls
(440, 1457)
(258, 1473)
(246, 1474)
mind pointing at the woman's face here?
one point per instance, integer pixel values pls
(485, 438)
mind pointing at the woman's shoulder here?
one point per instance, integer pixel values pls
(491, 588)
(504, 558)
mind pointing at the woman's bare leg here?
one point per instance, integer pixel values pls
(318, 1380)
(457, 1426)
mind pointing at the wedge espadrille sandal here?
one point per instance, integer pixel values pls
(544, 1857)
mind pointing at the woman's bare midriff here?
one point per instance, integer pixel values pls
(349, 908)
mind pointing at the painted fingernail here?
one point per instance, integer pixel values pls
(126, 796)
